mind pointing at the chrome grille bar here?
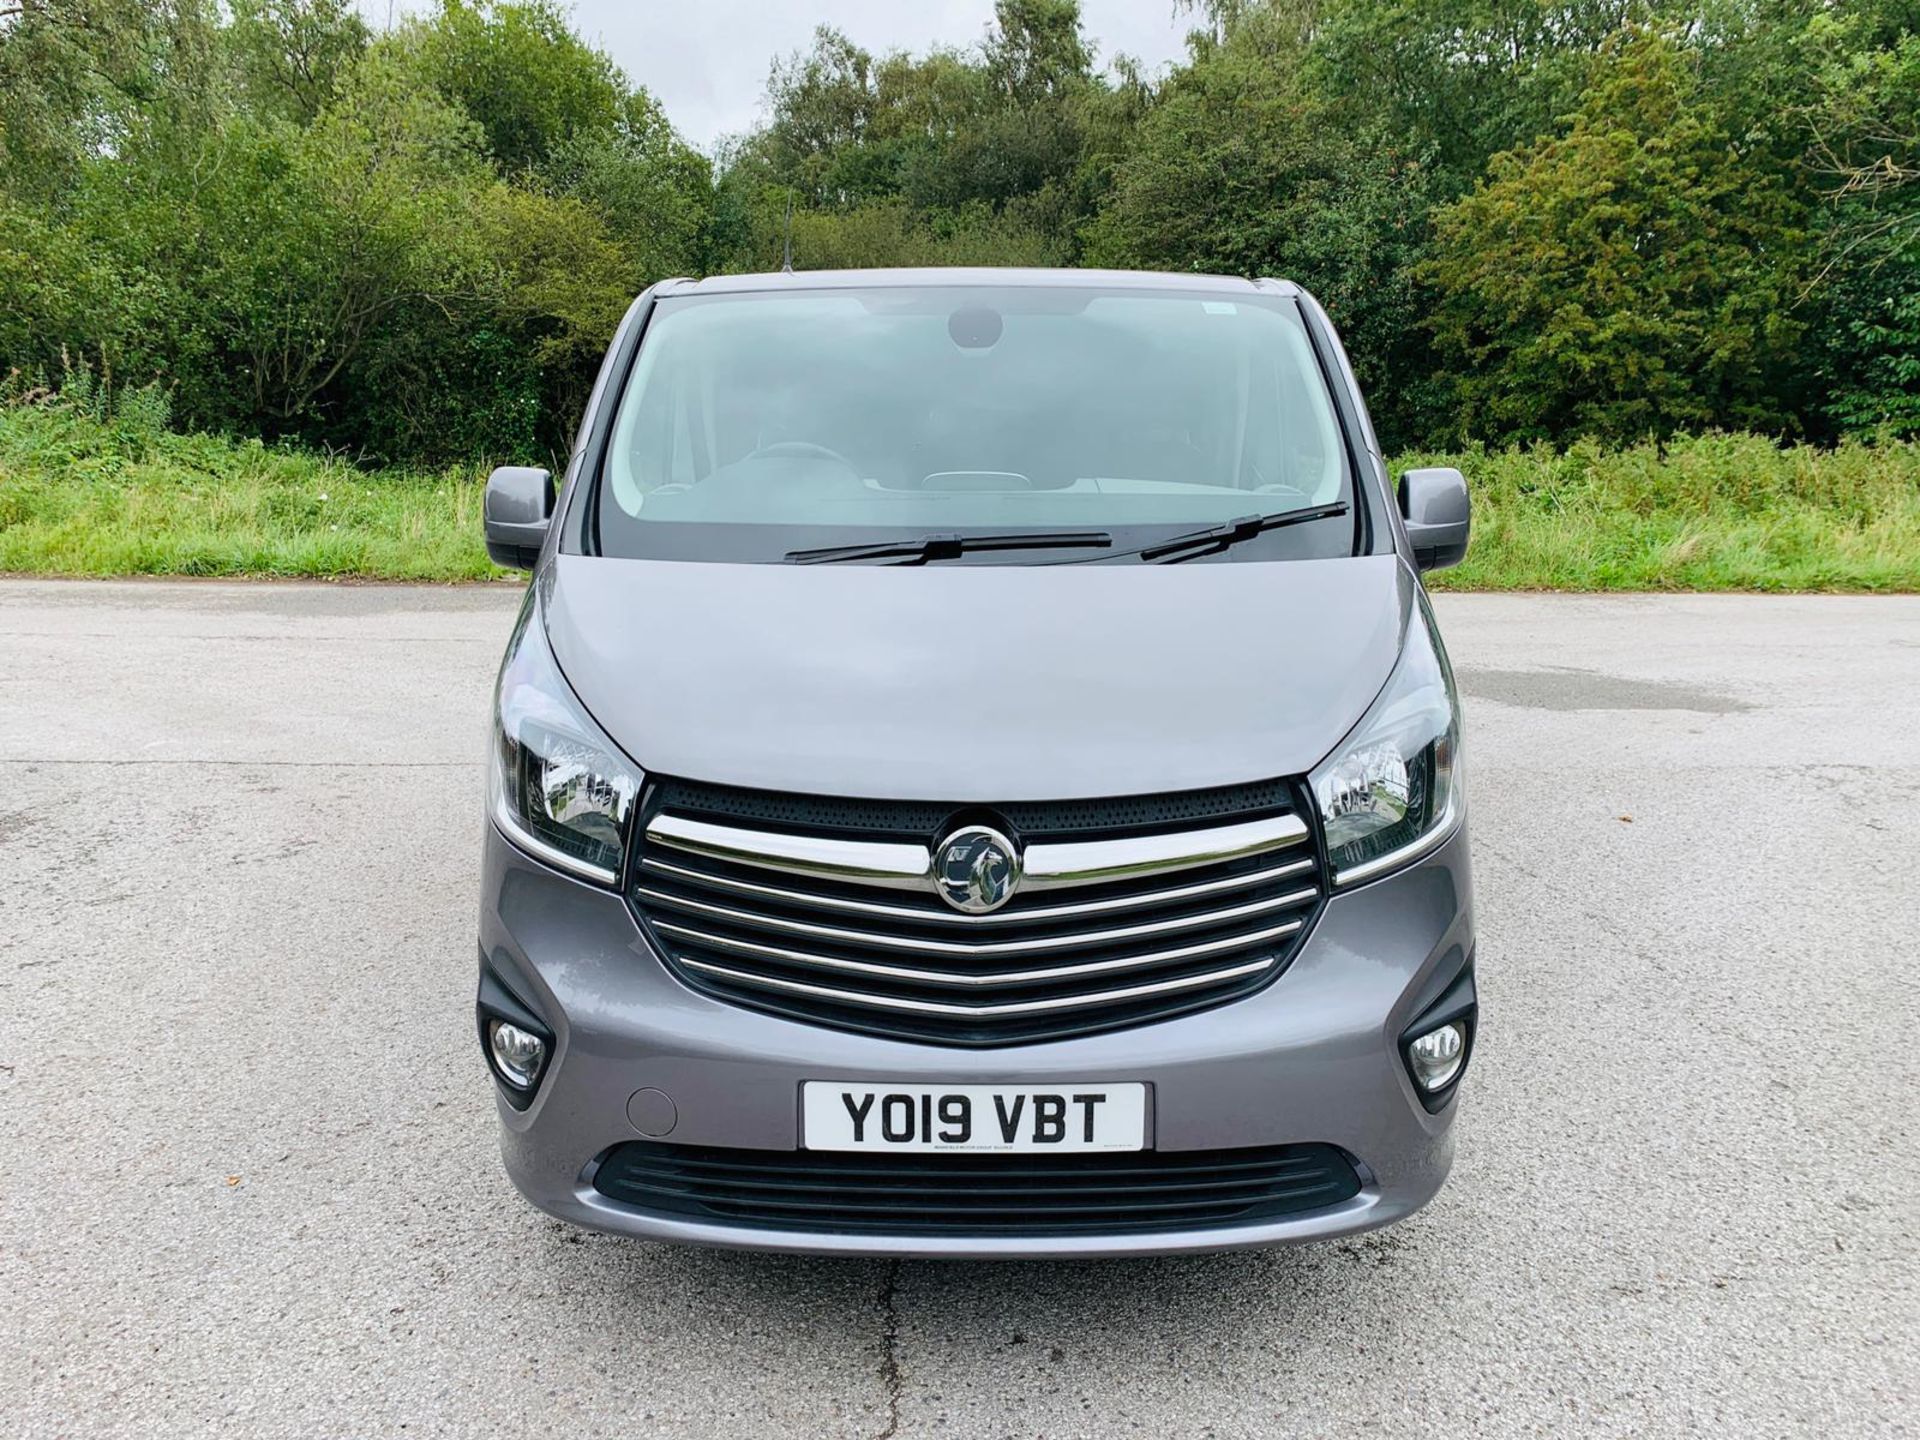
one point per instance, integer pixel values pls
(983, 1011)
(1044, 866)
(962, 978)
(1095, 861)
(980, 949)
(867, 862)
(828, 911)
(1132, 900)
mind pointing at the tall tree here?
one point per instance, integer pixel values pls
(1461, 79)
(1864, 118)
(518, 68)
(1239, 167)
(291, 56)
(1035, 50)
(1630, 277)
(82, 79)
(944, 148)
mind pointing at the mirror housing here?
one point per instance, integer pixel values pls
(518, 509)
(1439, 518)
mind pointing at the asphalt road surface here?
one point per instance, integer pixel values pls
(248, 1182)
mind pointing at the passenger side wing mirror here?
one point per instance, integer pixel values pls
(519, 507)
(1439, 518)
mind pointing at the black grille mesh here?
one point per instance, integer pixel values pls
(977, 1195)
(927, 820)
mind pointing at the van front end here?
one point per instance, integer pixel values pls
(897, 847)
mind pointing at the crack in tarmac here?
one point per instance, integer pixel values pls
(890, 1349)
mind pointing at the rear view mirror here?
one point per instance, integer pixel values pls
(1434, 504)
(519, 506)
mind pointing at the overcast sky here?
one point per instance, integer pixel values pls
(707, 60)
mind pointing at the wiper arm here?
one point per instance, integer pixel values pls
(948, 545)
(1219, 537)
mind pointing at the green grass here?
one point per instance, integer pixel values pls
(1712, 512)
(1716, 512)
(81, 498)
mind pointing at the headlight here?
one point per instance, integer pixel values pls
(1391, 791)
(561, 789)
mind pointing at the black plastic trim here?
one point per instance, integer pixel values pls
(497, 1001)
(1355, 429)
(513, 557)
(1459, 1001)
(972, 1194)
(928, 820)
(578, 520)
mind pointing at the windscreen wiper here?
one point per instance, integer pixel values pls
(1211, 538)
(950, 544)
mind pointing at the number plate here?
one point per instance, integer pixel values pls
(1046, 1119)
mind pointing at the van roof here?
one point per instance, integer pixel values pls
(975, 275)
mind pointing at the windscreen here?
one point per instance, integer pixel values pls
(756, 425)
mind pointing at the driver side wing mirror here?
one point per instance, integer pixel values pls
(519, 507)
(1439, 519)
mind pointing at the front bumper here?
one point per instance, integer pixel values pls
(1315, 1056)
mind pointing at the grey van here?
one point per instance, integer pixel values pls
(1097, 886)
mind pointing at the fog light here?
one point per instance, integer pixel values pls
(1437, 1055)
(517, 1053)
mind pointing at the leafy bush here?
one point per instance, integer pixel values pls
(1866, 119)
(410, 246)
(1342, 211)
(1630, 278)
(1531, 221)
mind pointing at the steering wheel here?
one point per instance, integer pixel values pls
(799, 450)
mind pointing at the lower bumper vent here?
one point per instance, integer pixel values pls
(977, 1195)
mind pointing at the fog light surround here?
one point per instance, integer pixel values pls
(518, 1055)
(518, 1044)
(1438, 1043)
(1436, 1057)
